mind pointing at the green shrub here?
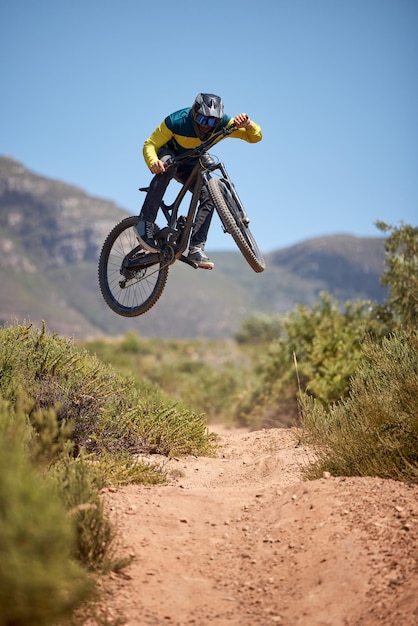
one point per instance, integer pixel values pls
(39, 581)
(55, 374)
(153, 427)
(78, 485)
(123, 468)
(259, 329)
(205, 388)
(374, 431)
(326, 341)
(319, 351)
(401, 272)
(97, 408)
(203, 376)
(269, 397)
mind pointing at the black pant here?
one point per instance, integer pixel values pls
(156, 192)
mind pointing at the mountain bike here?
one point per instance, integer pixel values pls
(132, 279)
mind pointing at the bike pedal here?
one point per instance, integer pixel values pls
(186, 260)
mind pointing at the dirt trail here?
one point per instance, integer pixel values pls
(242, 540)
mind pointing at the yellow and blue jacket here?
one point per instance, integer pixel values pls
(177, 133)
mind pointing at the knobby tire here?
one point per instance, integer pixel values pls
(143, 286)
(232, 220)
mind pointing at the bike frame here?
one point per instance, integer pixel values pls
(175, 236)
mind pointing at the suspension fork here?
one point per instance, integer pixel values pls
(231, 188)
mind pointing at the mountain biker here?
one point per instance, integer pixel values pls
(179, 132)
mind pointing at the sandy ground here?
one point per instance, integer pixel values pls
(243, 540)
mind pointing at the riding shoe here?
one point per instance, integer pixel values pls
(198, 256)
(145, 233)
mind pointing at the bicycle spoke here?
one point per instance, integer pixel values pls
(132, 290)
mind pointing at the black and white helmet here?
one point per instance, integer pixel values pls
(208, 111)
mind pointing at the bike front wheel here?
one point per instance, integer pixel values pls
(129, 289)
(235, 224)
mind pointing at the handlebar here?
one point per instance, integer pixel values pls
(195, 152)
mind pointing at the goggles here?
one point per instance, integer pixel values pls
(204, 120)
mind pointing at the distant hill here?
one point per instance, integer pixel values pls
(51, 235)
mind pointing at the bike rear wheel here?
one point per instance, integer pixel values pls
(234, 223)
(128, 291)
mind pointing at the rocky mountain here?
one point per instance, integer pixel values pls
(51, 235)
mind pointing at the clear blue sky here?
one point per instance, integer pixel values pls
(333, 83)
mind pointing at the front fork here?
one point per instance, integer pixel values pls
(231, 188)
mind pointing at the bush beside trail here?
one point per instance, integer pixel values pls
(69, 425)
(374, 431)
(40, 581)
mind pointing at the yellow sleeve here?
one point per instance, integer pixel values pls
(159, 138)
(252, 135)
